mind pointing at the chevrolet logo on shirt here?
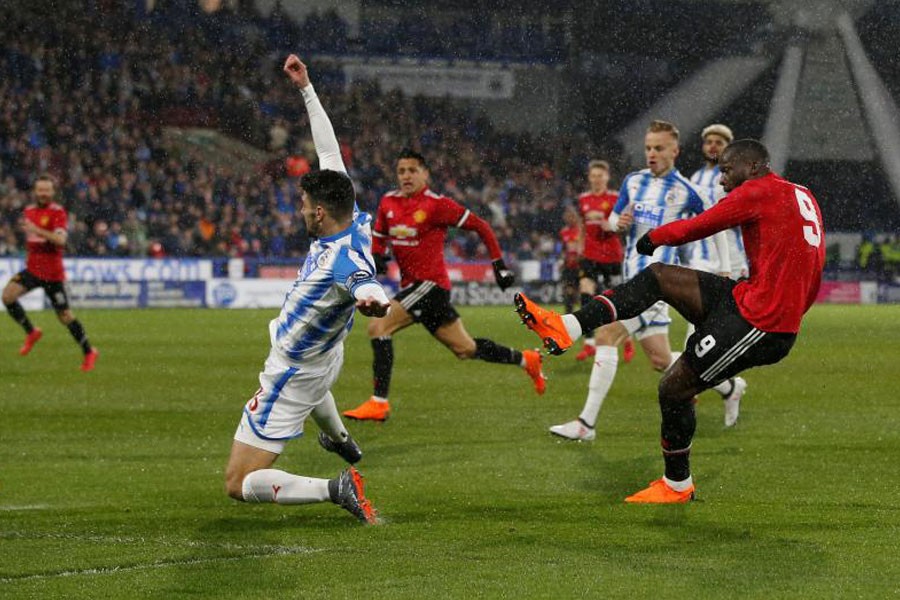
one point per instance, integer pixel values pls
(401, 232)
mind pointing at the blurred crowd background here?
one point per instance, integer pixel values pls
(87, 89)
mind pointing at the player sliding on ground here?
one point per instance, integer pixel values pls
(413, 221)
(739, 324)
(307, 338)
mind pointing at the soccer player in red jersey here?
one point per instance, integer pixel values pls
(413, 221)
(570, 236)
(740, 324)
(44, 224)
(602, 252)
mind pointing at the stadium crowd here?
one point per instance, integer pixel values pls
(90, 109)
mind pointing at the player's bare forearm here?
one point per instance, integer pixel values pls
(55, 237)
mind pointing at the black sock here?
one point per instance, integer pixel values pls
(493, 352)
(77, 332)
(678, 424)
(569, 300)
(586, 299)
(382, 365)
(18, 315)
(630, 299)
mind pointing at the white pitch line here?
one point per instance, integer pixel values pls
(12, 508)
(161, 564)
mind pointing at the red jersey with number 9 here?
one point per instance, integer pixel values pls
(45, 259)
(782, 229)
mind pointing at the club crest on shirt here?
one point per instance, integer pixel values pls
(419, 216)
(671, 197)
(322, 260)
(45, 220)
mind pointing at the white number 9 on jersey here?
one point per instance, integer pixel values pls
(812, 233)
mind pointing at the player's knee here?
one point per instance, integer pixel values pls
(463, 352)
(8, 297)
(65, 316)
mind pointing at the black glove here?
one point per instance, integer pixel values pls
(381, 263)
(645, 245)
(504, 276)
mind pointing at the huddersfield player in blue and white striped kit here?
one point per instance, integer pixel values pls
(647, 199)
(703, 257)
(307, 351)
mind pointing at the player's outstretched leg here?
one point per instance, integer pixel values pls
(32, 334)
(529, 360)
(333, 436)
(677, 391)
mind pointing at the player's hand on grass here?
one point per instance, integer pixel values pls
(296, 70)
(370, 307)
(505, 278)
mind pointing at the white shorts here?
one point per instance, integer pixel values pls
(653, 321)
(288, 392)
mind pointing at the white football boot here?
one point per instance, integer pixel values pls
(733, 401)
(574, 430)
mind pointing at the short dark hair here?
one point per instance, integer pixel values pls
(410, 153)
(749, 149)
(47, 177)
(331, 189)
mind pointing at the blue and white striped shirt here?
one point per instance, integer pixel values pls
(317, 313)
(655, 201)
(702, 253)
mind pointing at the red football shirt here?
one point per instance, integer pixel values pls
(599, 245)
(569, 236)
(44, 259)
(416, 228)
(782, 229)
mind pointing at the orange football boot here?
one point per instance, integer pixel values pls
(546, 323)
(533, 362)
(30, 340)
(628, 350)
(90, 359)
(659, 492)
(370, 410)
(587, 351)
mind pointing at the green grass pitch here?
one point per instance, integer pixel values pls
(111, 482)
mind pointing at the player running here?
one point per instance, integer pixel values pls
(570, 238)
(45, 224)
(701, 255)
(651, 197)
(307, 338)
(740, 324)
(601, 260)
(413, 221)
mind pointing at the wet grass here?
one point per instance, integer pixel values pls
(111, 482)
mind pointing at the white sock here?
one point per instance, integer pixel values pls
(679, 486)
(379, 399)
(606, 362)
(272, 485)
(589, 341)
(327, 418)
(573, 327)
(725, 388)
